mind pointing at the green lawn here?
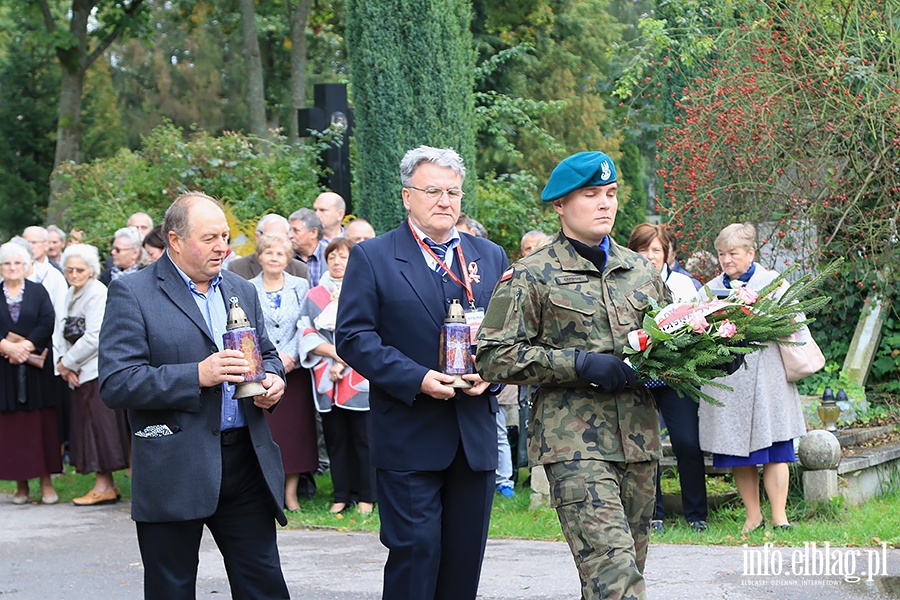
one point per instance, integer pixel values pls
(510, 516)
(70, 485)
(871, 524)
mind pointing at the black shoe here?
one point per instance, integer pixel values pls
(657, 525)
(699, 526)
(346, 508)
(783, 527)
(306, 486)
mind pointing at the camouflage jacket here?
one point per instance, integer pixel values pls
(546, 306)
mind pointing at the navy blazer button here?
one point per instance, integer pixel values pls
(218, 389)
(213, 350)
(215, 432)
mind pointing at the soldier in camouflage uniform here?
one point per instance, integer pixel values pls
(559, 319)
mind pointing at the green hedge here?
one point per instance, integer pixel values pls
(249, 176)
(412, 76)
(509, 206)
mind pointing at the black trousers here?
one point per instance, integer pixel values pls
(243, 527)
(680, 415)
(347, 439)
(435, 525)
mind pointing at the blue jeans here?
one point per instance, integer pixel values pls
(504, 472)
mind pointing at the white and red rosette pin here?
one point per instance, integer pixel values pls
(638, 340)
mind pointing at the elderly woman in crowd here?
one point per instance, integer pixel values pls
(293, 424)
(99, 435)
(29, 433)
(678, 412)
(126, 254)
(154, 244)
(342, 394)
(763, 415)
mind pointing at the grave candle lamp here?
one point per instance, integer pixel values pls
(241, 336)
(829, 412)
(456, 351)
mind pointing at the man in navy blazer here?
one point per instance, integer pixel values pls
(434, 447)
(200, 456)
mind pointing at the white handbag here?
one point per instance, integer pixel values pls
(802, 360)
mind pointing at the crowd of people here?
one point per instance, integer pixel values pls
(101, 364)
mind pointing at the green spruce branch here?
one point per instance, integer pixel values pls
(688, 362)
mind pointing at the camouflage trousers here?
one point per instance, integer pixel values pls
(605, 509)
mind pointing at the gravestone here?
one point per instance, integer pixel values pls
(540, 487)
(781, 247)
(330, 109)
(866, 338)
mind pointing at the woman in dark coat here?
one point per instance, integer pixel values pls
(679, 412)
(29, 433)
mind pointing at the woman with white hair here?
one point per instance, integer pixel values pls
(99, 435)
(126, 254)
(762, 415)
(29, 433)
(293, 425)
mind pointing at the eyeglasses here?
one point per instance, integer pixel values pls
(15, 263)
(435, 193)
(79, 270)
(116, 250)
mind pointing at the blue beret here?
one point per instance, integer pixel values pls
(577, 171)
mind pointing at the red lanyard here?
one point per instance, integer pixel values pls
(462, 265)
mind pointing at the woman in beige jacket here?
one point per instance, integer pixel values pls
(99, 435)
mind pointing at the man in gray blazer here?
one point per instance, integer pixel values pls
(248, 266)
(200, 456)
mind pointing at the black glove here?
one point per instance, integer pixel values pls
(730, 368)
(604, 371)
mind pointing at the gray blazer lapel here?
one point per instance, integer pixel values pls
(174, 287)
(228, 291)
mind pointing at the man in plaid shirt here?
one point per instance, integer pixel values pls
(306, 237)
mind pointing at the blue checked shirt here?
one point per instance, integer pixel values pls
(315, 263)
(212, 307)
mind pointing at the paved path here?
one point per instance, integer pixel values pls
(72, 553)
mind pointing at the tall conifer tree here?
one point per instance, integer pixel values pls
(412, 72)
